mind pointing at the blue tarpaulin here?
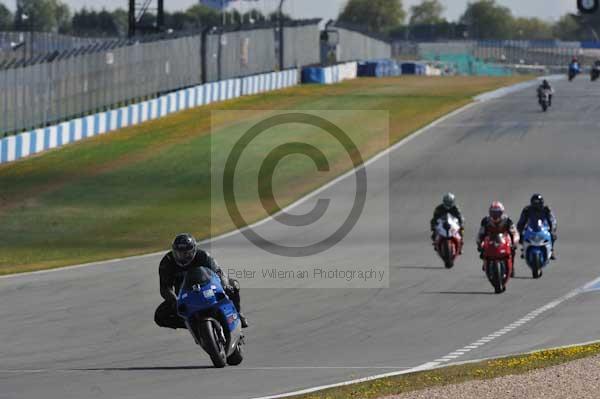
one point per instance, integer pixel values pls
(313, 75)
(379, 68)
(412, 68)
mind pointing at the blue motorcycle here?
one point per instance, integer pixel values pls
(574, 70)
(537, 246)
(211, 317)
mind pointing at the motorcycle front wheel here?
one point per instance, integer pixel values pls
(213, 345)
(497, 277)
(447, 254)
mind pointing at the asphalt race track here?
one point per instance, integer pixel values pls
(89, 332)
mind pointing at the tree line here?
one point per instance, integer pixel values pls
(55, 16)
(482, 19)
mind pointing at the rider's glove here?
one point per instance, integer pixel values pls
(480, 250)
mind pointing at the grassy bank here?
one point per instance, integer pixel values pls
(483, 370)
(128, 193)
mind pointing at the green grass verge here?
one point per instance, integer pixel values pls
(483, 370)
(130, 192)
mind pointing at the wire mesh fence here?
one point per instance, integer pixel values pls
(46, 88)
(351, 44)
(83, 76)
(70, 85)
(30, 44)
(491, 57)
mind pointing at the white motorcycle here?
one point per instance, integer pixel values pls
(448, 241)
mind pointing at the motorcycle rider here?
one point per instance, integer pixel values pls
(497, 222)
(574, 63)
(574, 66)
(595, 70)
(448, 205)
(545, 87)
(184, 255)
(537, 210)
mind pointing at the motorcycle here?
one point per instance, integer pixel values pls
(498, 260)
(448, 241)
(574, 70)
(595, 73)
(211, 317)
(537, 246)
(544, 99)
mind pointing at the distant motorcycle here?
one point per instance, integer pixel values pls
(448, 241)
(544, 99)
(595, 72)
(574, 70)
(537, 246)
(211, 317)
(498, 260)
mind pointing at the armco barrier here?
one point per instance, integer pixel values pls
(330, 75)
(38, 140)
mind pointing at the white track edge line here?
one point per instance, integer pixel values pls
(443, 360)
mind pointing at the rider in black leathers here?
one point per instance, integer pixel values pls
(540, 90)
(184, 255)
(537, 210)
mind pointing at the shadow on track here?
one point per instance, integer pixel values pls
(420, 267)
(462, 293)
(158, 368)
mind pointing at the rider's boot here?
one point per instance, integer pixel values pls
(233, 292)
(243, 320)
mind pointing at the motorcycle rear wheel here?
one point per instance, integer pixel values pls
(237, 356)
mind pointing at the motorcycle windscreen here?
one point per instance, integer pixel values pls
(196, 277)
(536, 225)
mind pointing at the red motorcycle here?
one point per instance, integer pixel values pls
(498, 260)
(448, 242)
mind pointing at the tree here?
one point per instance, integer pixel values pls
(588, 26)
(43, 15)
(121, 21)
(487, 20)
(6, 18)
(99, 23)
(567, 28)
(429, 12)
(202, 16)
(531, 29)
(374, 15)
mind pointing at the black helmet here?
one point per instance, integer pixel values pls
(449, 200)
(184, 249)
(537, 201)
(545, 83)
